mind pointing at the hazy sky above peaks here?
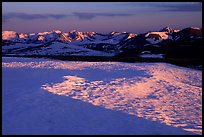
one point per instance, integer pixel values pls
(101, 17)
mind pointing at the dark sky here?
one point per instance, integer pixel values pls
(102, 17)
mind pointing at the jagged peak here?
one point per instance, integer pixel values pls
(167, 29)
(57, 31)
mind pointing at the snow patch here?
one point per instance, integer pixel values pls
(195, 28)
(152, 55)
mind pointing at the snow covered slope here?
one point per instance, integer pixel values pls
(65, 97)
(156, 37)
(53, 49)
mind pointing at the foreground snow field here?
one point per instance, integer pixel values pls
(41, 96)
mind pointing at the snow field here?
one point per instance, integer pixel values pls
(160, 92)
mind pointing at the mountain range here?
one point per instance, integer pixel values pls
(166, 42)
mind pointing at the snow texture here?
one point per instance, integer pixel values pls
(42, 96)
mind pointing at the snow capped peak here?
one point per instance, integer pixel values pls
(114, 32)
(22, 35)
(161, 34)
(42, 33)
(156, 37)
(9, 35)
(131, 35)
(167, 29)
(57, 31)
(90, 33)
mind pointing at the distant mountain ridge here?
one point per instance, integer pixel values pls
(56, 42)
(60, 36)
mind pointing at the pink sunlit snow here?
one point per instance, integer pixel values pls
(158, 92)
